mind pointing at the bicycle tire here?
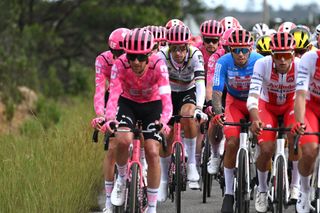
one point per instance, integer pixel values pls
(178, 177)
(242, 205)
(134, 205)
(205, 174)
(278, 186)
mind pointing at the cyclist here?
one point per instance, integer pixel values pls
(186, 73)
(271, 95)
(140, 90)
(302, 37)
(263, 45)
(307, 117)
(233, 70)
(103, 65)
(211, 32)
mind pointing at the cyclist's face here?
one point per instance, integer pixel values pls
(211, 44)
(282, 60)
(240, 55)
(138, 62)
(178, 52)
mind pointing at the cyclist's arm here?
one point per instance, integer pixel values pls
(165, 94)
(218, 86)
(199, 77)
(115, 91)
(100, 81)
(300, 105)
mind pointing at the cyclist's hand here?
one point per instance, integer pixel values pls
(256, 127)
(218, 119)
(106, 127)
(198, 114)
(298, 128)
(209, 111)
(97, 122)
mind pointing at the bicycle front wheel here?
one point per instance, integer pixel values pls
(205, 175)
(178, 177)
(242, 204)
(279, 186)
(134, 205)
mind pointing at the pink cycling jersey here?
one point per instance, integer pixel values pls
(151, 86)
(103, 65)
(212, 62)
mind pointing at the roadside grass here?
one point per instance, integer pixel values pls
(52, 169)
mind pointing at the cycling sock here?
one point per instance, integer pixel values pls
(263, 185)
(142, 153)
(122, 172)
(305, 183)
(295, 177)
(152, 195)
(164, 164)
(215, 150)
(191, 149)
(108, 185)
(228, 175)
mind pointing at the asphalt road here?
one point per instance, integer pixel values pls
(192, 202)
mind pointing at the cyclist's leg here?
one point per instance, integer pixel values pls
(108, 170)
(309, 146)
(267, 147)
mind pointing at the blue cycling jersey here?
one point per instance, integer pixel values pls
(237, 79)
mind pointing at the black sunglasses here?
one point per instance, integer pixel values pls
(208, 40)
(116, 53)
(140, 57)
(174, 48)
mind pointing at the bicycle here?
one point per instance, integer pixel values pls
(315, 180)
(242, 180)
(177, 181)
(136, 187)
(279, 193)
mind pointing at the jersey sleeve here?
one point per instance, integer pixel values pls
(165, 92)
(100, 81)
(115, 91)
(257, 77)
(305, 71)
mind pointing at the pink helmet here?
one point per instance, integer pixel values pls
(240, 37)
(138, 41)
(225, 36)
(211, 28)
(286, 27)
(282, 41)
(178, 34)
(116, 38)
(159, 33)
(230, 22)
(173, 22)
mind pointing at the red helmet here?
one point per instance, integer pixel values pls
(240, 37)
(116, 38)
(159, 33)
(178, 34)
(138, 41)
(173, 22)
(282, 41)
(230, 22)
(211, 28)
(286, 27)
(225, 36)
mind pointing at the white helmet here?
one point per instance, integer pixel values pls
(260, 29)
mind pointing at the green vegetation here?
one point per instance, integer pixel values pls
(55, 169)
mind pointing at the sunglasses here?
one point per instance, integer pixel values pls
(209, 40)
(282, 55)
(116, 53)
(300, 51)
(240, 49)
(177, 48)
(140, 57)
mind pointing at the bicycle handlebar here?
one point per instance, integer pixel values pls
(96, 133)
(277, 129)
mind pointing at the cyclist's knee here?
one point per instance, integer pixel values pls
(309, 152)
(232, 145)
(267, 149)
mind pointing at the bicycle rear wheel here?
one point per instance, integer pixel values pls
(178, 177)
(133, 199)
(205, 175)
(279, 186)
(242, 204)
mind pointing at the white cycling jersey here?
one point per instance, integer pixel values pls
(273, 87)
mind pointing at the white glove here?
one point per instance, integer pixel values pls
(199, 114)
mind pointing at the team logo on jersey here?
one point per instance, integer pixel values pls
(290, 79)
